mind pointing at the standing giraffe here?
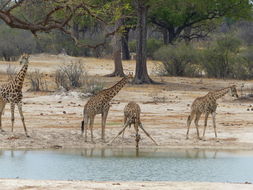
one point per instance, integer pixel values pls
(100, 104)
(207, 104)
(132, 113)
(11, 92)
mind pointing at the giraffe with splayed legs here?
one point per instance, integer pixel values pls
(100, 104)
(132, 113)
(11, 92)
(207, 104)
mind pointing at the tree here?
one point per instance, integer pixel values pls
(118, 67)
(196, 17)
(57, 14)
(141, 72)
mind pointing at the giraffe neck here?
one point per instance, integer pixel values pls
(19, 79)
(219, 93)
(111, 92)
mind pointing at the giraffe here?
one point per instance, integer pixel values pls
(207, 104)
(100, 104)
(11, 92)
(132, 113)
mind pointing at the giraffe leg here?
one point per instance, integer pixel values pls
(189, 120)
(91, 127)
(2, 105)
(124, 127)
(206, 117)
(197, 123)
(84, 126)
(12, 116)
(147, 134)
(125, 118)
(214, 125)
(137, 136)
(104, 117)
(22, 117)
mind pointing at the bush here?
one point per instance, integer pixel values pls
(152, 46)
(243, 68)
(11, 71)
(92, 85)
(70, 75)
(219, 60)
(179, 60)
(73, 75)
(36, 81)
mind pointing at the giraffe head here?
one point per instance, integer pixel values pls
(130, 76)
(233, 91)
(24, 59)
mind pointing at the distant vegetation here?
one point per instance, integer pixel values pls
(191, 37)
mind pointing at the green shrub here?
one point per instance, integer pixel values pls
(152, 46)
(70, 75)
(132, 46)
(219, 60)
(179, 60)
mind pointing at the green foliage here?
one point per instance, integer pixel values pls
(220, 59)
(244, 67)
(176, 15)
(15, 42)
(152, 45)
(178, 60)
(132, 46)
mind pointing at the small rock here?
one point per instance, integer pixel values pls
(41, 113)
(64, 112)
(248, 109)
(59, 102)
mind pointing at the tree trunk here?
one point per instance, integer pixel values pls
(165, 36)
(172, 35)
(118, 68)
(141, 72)
(187, 34)
(124, 45)
(75, 30)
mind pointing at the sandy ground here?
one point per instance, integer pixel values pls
(53, 120)
(13, 184)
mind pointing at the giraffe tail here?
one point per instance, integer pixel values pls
(82, 126)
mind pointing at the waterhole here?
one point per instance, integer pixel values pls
(128, 165)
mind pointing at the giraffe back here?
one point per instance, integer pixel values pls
(9, 92)
(204, 104)
(12, 91)
(101, 101)
(132, 112)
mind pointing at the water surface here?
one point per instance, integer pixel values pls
(127, 164)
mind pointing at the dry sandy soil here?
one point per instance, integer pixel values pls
(53, 118)
(14, 184)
